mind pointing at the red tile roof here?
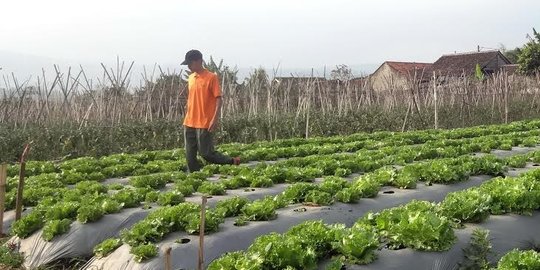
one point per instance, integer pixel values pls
(456, 64)
(408, 68)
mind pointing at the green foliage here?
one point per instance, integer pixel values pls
(33, 195)
(523, 260)
(55, 227)
(211, 188)
(184, 188)
(529, 56)
(28, 224)
(62, 210)
(111, 206)
(512, 54)
(296, 193)
(160, 222)
(211, 223)
(152, 196)
(91, 187)
(519, 161)
(315, 235)
(278, 252)
(348, 195)
(476, 254)
(319, 197)
(471, 205)
(231, 207)
(170, 198)
(154, 181)
(513, 195)
(415, 225)
(358, 244)
(144, 252)
(238, 181)
(333, 184)
(262, 182)
(479, 73)
(115, 186)
(10, 258)
(128, 197)
(236, 260)
(89, 212)
(366, 187)
(335, 264)
(107, 247)
(263, 209)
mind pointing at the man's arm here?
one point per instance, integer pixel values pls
(217, 114)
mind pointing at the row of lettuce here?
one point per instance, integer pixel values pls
(285, 148)
(143, 235)
(419, 225)
(146, 162)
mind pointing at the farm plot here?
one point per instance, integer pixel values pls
(146, 203)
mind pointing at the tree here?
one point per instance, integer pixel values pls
(512, 55)
(529, 57)
(224, 72)
(342, 73)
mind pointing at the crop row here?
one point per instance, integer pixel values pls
(414, 136)
(146, 162)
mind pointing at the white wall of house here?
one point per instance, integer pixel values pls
(386, 78)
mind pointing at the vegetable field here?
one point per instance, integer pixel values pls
(383, 200)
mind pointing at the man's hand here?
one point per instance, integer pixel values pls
(213, 125)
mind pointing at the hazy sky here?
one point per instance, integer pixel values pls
(293, 33)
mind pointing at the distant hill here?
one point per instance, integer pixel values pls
(25, 66)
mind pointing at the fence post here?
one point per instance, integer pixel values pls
(168, 265)
(201, 233)
(3, 179)
(506, 99)
(20, 187)
(435, 101)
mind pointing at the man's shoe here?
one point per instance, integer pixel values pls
(236, 160)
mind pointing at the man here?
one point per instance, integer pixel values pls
(203, 113)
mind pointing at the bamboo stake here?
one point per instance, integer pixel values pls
(168, 265)
(20, 188)
(506, 100)
(435, 101)
(201, 233)
(3, 178)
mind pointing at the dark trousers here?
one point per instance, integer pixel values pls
(201, 140)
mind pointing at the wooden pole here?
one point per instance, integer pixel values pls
(168, 265)
(3, 179)
(201, 233)
(20, 187)
(435, 101)
(506, 100)
(406, 117)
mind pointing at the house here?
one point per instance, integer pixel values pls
(397, 74)
(464, 64)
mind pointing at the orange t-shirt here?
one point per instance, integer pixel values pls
(203, 91)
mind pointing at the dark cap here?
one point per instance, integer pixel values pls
(192, 56)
